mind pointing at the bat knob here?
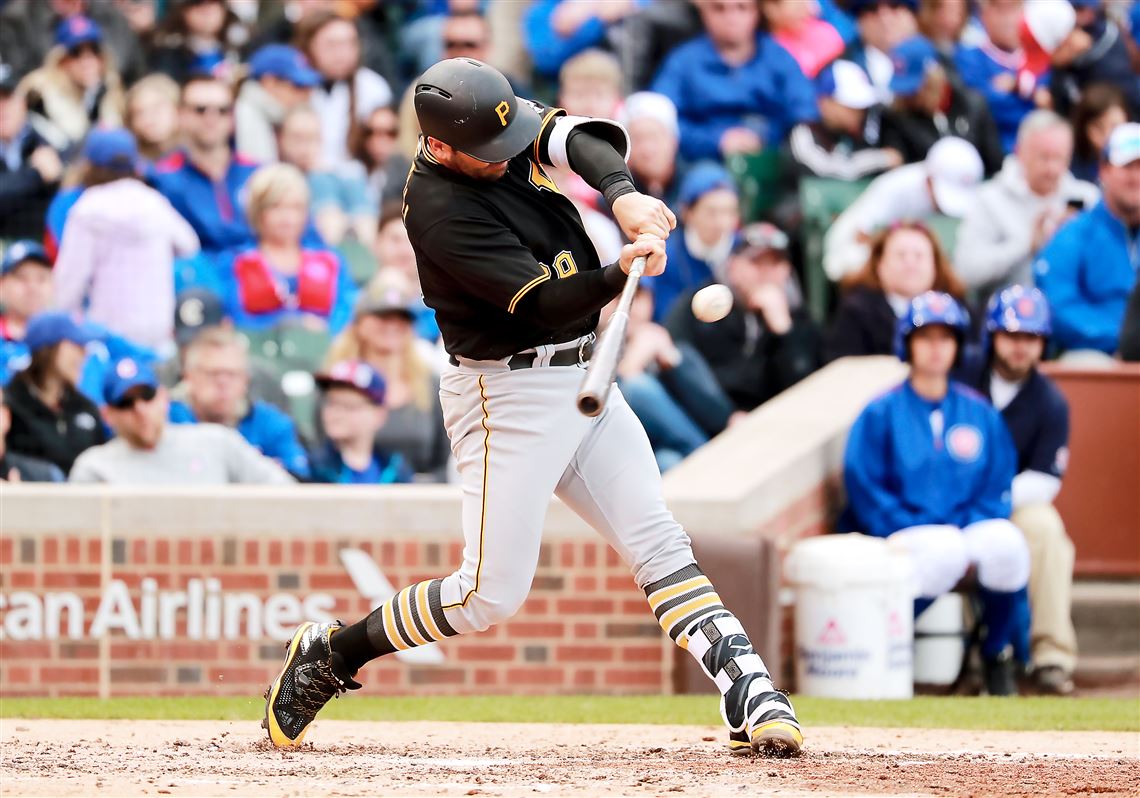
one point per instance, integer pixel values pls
(588, 405)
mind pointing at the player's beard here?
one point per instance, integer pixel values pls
(1011, 372)
(487, 171)
(469, 166)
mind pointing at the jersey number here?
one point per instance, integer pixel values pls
(564, 265)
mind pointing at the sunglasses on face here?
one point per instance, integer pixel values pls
(85, 49)
(216, 110)
(462, 44)
(144, 394)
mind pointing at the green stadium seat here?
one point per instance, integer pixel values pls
(946, 228)
(758, 178)
(262, 344)
(821, 200)
(303, 348)
(288, 347)
(361, 262)
(303, 398)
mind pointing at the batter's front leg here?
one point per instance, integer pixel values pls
(614, 485)
(511, 452)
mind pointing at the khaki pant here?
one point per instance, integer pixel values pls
(1052, 637)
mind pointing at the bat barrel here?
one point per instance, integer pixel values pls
(603, 365)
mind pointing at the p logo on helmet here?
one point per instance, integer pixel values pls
(502, 109)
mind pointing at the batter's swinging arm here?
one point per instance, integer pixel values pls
(603, 365)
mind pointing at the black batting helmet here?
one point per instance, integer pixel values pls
(470, 106)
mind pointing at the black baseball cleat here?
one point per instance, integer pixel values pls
(312, 675)
(998, 675)
(739, 743)
(777, 737)
(763, 719)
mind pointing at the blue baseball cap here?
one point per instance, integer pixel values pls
(111, 148)
(21, 251)
(357, 375)
(74, 31)
(285, 62)
(53, 327)
(702, 179)
(933, 307)
(127, 373)
(1018, 309)
(912, 60)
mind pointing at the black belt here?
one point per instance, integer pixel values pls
(572, 356)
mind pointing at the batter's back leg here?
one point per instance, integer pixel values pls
(614, 485)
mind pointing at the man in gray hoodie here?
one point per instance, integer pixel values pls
(279, 79)
(1017, 211)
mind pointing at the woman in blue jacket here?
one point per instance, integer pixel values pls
(929, 466)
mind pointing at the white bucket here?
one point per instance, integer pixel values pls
(940, 641)
(854, 617)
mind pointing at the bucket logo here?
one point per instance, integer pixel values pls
(964, 442)
(895, 627)
(203, 610)
(832, 635)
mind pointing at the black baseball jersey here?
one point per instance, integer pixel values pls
(481, 246)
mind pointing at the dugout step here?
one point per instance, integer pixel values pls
(1106, 615)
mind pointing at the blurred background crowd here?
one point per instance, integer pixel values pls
(206, 276)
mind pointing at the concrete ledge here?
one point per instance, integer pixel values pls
(784, 451)
(287, 512)
(778, 465)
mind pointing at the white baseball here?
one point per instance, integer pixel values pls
(712, 303)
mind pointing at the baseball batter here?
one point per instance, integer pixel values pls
(517, 287)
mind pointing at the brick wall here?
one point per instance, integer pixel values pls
(584, 628)
(276, 554)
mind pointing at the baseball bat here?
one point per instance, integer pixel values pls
(603, 365)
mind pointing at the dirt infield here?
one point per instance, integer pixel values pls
(194, 758)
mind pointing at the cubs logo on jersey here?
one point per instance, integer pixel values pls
(964, 442)
(127, 369)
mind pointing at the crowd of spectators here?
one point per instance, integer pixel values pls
(206, 276)
(163, 158)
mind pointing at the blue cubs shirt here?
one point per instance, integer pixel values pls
(911, 461)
